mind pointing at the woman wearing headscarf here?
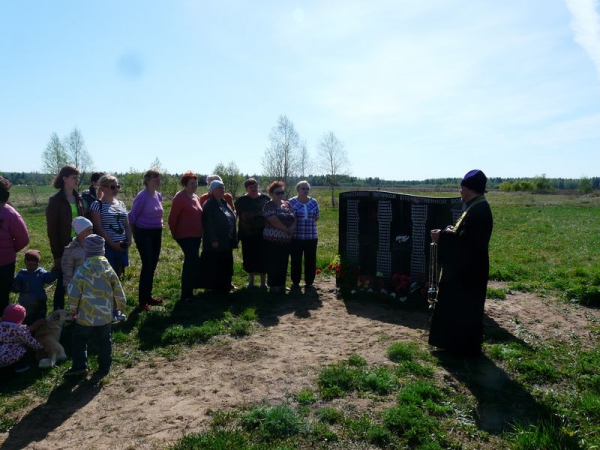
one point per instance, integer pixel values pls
(279, 228)
(227, 196)
(109, 217)
(62, 208)
(185, 223)
(13, 238)
(146, 221)
(305, 239)
(220, 238)
(249, 209)
(457, 322)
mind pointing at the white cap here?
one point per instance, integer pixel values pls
(80, 224)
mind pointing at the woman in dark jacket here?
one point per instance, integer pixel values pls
(62, 208)
(220, 238)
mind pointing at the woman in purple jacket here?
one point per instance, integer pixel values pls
(146, 220)
(13, 238)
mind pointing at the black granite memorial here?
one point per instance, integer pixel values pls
(386, 235)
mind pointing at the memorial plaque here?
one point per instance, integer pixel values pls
(386, 233)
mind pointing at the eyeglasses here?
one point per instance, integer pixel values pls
(278, 193)
(114, 186)
(305, 189)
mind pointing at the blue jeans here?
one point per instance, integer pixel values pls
(191, 264)
(81, 336)
(148, 242)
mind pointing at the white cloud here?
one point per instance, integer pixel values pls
(586, 26)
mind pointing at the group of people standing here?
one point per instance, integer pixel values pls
(270, 228)
(265, 226)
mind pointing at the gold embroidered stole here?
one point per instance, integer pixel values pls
(477, 200)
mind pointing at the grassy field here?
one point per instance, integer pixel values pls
(545, 244)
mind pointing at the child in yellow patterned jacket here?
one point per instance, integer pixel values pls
(94, 293)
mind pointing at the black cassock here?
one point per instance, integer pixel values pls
(457, 322)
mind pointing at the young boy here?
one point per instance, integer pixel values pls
(14, 341)
(74, 254)
(94, 292)
(29, 284)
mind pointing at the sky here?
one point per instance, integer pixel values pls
(414, 89)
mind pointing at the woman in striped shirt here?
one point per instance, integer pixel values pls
(109, 217)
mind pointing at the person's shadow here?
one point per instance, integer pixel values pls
(501, 401)
(64, 401)
(208, 306)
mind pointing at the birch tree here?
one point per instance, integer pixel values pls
(77, 153)
(332, 161)
(281, 158)
(54, 156)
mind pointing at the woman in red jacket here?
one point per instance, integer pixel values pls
(185, 223)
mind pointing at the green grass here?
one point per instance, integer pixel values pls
(540, 244)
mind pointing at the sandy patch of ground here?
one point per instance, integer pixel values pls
(158, 401)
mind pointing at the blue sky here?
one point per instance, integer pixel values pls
(414, 89)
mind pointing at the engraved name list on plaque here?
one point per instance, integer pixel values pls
(384, 233)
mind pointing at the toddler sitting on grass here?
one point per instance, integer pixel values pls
(14, 341)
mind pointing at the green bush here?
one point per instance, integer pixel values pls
(403, 352)
(379, 381)
(547, 435)
(305, 397)
(410, 422)
(496, 294)
(218, 440)
(329, 415)
(357, 361)
(272, 423)
(336, 380)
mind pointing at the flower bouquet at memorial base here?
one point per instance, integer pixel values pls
(346, 273)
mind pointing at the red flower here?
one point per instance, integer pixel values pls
(319, 271)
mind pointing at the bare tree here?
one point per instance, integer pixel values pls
(231, 176)
(281, 159)
(55, 156)
(333, 161)
(34, 192)
(77, 153)
(305, 164)
(156, 164)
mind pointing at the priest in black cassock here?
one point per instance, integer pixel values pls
(457, 322)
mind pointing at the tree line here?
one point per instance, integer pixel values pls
(286, 158)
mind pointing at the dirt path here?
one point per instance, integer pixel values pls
(158, 401)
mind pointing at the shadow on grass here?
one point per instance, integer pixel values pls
(501, 401)
(209, 306)
(64, 401)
